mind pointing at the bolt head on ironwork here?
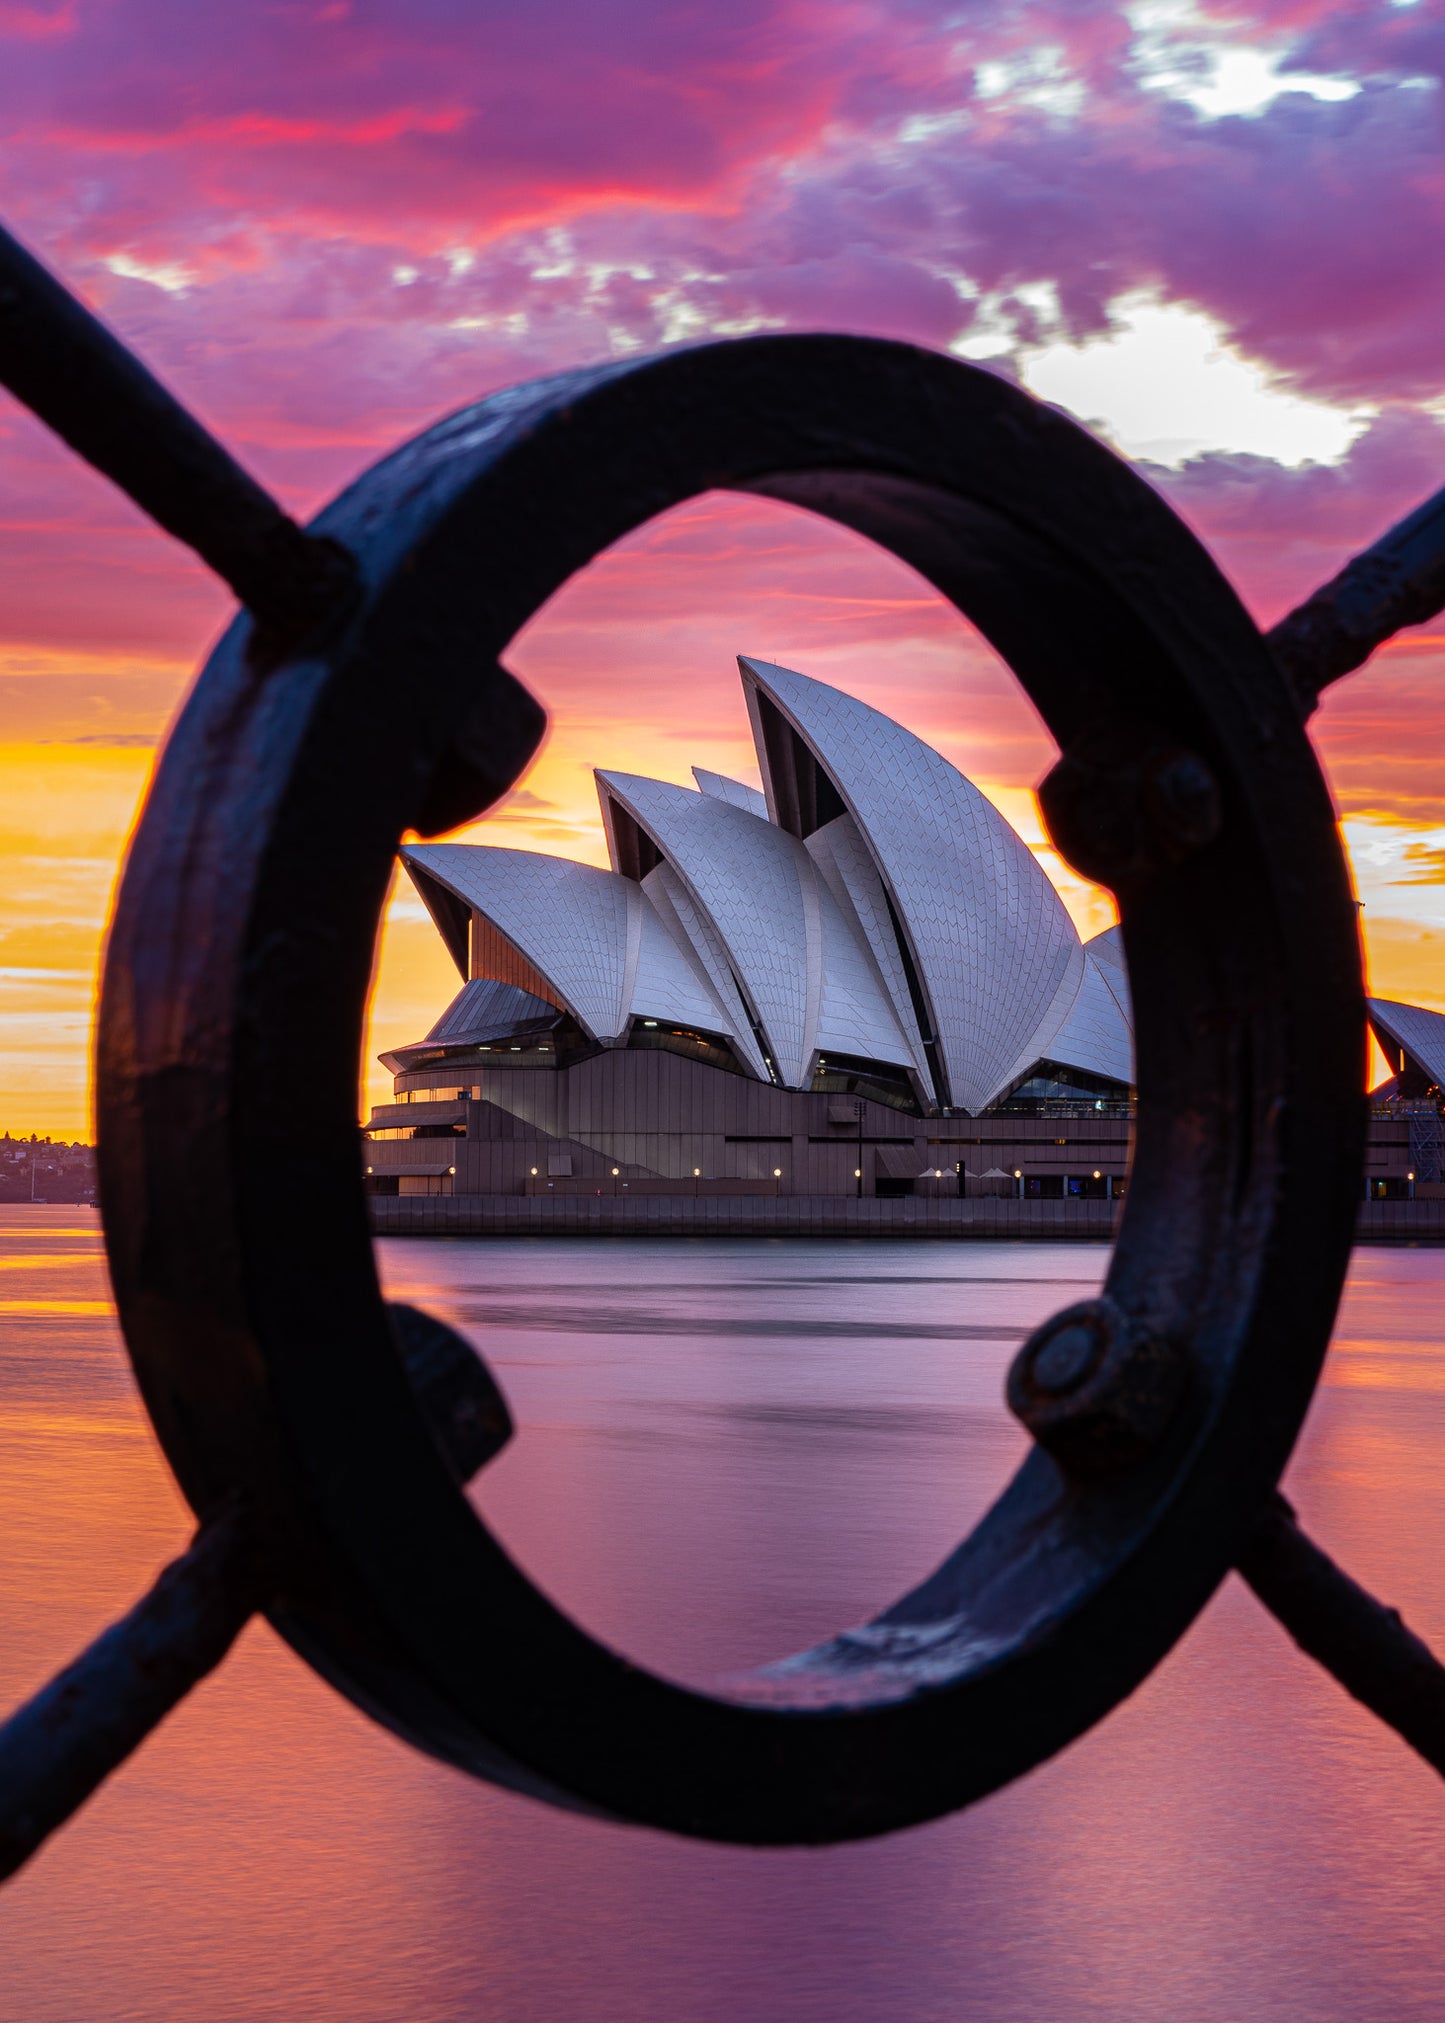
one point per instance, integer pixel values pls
(1181, 795)
(1124, 802)
(1065, 1359)
(1096, 1388)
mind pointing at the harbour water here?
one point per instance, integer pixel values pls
(724, 1451)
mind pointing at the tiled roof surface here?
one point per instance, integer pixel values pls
(568, 919)
(787, 940)
(484, 1007)
(743, 928)
(721, 788)
(851, 876)
(990, 937)
(1095, 1036)
(1421, 1033)
(690, 926)
(1107, 950)
(670, 983)
(741, 872)
(854, 1014)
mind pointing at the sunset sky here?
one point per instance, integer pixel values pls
(1214, 232)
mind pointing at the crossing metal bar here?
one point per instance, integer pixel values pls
(60, 1745)
(1361, 1642)
(65, 1741)
(1398, 580)
(247, 905)
(83, 383)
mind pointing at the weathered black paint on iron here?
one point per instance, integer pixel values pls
(247, 920)
(240, 955)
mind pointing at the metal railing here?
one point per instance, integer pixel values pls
(1162, 1413)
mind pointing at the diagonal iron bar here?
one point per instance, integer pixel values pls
(1398, 581)
(1363, 1644)
(83, 383)
(62, 1744)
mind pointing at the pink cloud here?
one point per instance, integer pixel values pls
(1280, 532)
(795, 161)
(357, 219)
(36, 24)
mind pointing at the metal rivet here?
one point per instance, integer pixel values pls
(1066, 1358)
(1096, 1387)
(1124, 801)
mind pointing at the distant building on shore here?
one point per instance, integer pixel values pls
(857, 981)
(46, 1170)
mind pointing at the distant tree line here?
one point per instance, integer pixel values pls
(46, 1169)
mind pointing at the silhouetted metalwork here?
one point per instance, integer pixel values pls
(1364, 1644)
(321, 1437)
(99, 398)
(1398, 581)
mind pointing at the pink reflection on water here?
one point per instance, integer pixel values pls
(1239, 1841)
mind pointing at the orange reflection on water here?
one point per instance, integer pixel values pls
(1238, 1841)
(36, 1309)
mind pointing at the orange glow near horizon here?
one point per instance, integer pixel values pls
(635, 661)
(327, 226)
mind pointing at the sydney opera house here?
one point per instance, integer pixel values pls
(856, 982)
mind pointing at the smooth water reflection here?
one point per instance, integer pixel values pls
(725, 1451)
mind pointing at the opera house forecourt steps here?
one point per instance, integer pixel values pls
(852, 1002)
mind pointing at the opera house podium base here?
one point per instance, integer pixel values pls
(804, 1215)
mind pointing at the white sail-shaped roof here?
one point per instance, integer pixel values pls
(569, 920)
(873, 908)
(996, 958)
(1420, 1033)
(851, 876)
(855, 1016)
(721, 788)
(669, 982)
(1095, 1035)
(808, 979)
(691, 928)
(1107, 950)
(592, 935)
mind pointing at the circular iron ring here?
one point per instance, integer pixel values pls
(231, 1027)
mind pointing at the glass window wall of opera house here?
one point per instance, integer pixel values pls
(858, 981)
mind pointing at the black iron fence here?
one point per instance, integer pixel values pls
(322, 1436)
